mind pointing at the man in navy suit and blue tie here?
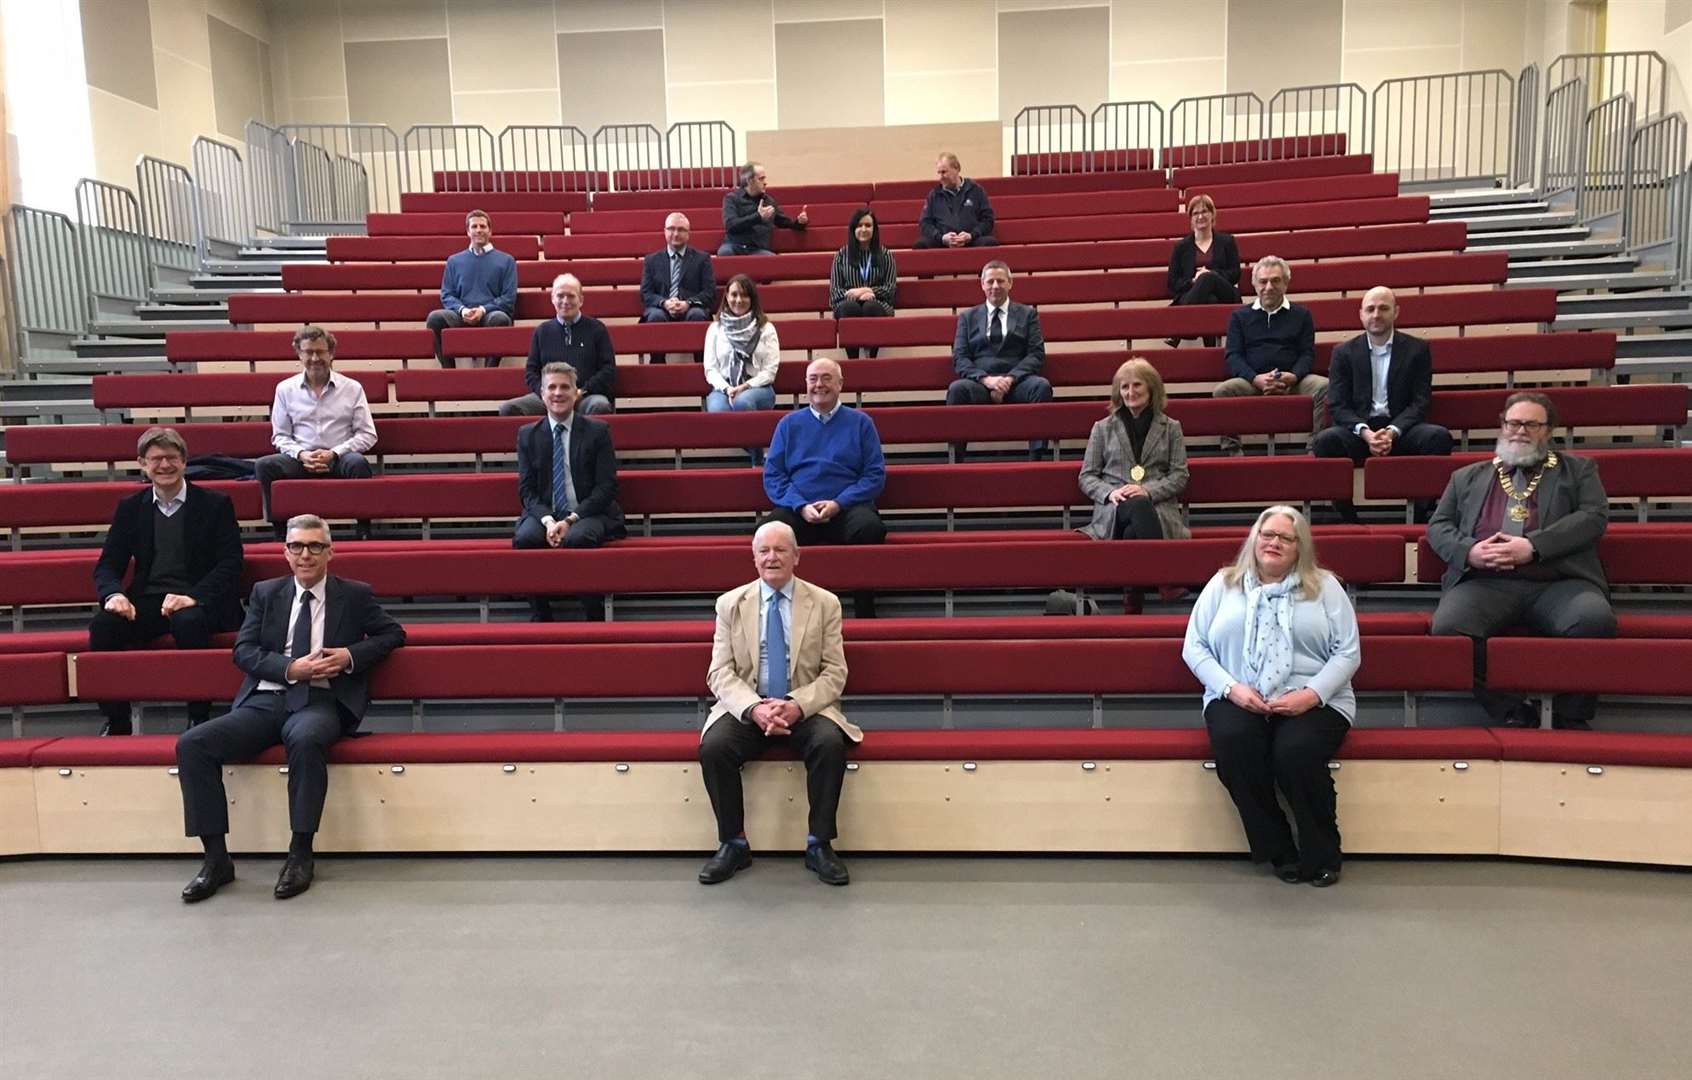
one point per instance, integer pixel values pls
(567, 481)
(998, 351)
(308, 645)
(677, 283)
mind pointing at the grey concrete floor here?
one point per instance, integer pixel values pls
(979, 968)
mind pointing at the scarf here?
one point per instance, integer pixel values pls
(1268, 633)
(742, 332)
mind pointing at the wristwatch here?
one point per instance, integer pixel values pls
(572, 518)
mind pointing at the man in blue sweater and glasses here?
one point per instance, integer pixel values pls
(824, 471)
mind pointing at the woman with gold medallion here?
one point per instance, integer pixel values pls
(1135, 470)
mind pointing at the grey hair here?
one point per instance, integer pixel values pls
(1273, 262)
(559, 367)
(776, 526)
(310, 521)
(567, 277)
(995, 264)
(748, 171)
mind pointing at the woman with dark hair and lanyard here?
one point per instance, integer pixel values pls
(1204, 267)
(864, 277)
(741, 352)
(1273, 640)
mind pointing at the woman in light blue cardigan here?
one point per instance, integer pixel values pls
(1273, 639)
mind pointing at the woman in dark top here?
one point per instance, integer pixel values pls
(864, 278)
(1204, 268)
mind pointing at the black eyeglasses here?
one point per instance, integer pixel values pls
(1532, 427)
(300, 547)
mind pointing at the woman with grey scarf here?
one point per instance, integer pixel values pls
(741, 352)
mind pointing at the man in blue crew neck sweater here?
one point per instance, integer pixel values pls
(478, 286)
(824, 471)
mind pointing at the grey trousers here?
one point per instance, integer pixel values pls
(1315, 387)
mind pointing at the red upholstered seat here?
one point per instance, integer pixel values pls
(1646, 558)
(497, 203)
(482, 181)
(1662, 404)
(1589, 665)
(16, 753)
(1001, 186)
(1303, 189)
(413, 248)
(187, 346)
(33, 678)
(1625, 473)
(1596, 747)
(40, 443)
(450, 223)
(1288, 146)
(144, 389)
(25, 505)
(1192, 178)
(1136, 159)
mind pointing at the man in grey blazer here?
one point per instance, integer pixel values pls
(998, 350)
(1519, 535)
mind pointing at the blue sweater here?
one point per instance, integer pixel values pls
(488, 280)
(1258, 344)
(810, 460)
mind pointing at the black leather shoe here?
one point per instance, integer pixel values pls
(295, 877)
(1562, 724)
(827, 865)
(1289, 873)
(1323, 878)
(1523, 716)
(729, 860)
(213, 876)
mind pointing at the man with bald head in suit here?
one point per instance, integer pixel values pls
(778, 668)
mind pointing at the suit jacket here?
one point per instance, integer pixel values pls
(1351, 381)
(213, 541)
(1573, 513)
(816, 656)
(698, 282)
(1022, 352)
(1110, 456)
(1223, 261)
(352, 620)
(593, 469)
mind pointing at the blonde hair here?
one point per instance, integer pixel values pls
(1137, 365)
(1306, 570)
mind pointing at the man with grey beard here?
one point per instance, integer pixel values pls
(1519, 535)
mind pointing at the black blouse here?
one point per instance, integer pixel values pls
(1183, 261)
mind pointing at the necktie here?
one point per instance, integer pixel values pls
(675, 276)
(996, 328)
(775, 649)
(560, 500)
(569, 335)
(297, 692)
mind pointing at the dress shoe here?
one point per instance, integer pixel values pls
(213, 875)
(1172, 342)
(295, 877)
(1323, 878)
(1522, 716)
(1565, 724)
(827, 865)
(1288, 872)
(729, 860)
(116, 727)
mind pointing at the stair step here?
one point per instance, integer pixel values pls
(1611, 264)
(1667, 344)
(183, 312)
(249, 267)
(1622, 320)
(216, 283)
(286, 243)
(1553, 247)
(97, 365)
(1514, 222)
(153, 328)
(1488, 211)
(1634, 279)
(1485, 196)
(116, 347)
(82, 408)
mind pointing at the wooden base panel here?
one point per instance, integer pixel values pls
(1610, 813)
(19, 834)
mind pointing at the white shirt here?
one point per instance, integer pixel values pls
(1269, 316)
(318, 593)
(337, 419)
(483, 250)
(1380, 360)
(827, 416)
(552, 425)
(764, 594)
(169, 507)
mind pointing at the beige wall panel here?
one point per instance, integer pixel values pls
(1257, 43)
(324, 110)
(185, 105)
(1369, 68)
(1053, 56)
(1166, 81)
(267, 88)
(117, 50)
(1494, 34)
(1371, 24)
(399, 83)
(941, 35)
(612, 77)
(803, 50)
(495, 111)
(248, 15)
(179, 28)
(608, 15)
(719, 40)
(385, 20)
(502, 45)
(747, 106)
(1157, 30)
(815, 155)
(1048, 5)
(237, 78)
(942, 97)
(313, 58)
(1676, 13)
(122, 131)
(823, 10)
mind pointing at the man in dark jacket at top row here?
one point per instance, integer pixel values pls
(957, 213)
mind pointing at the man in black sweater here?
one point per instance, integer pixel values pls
(185, 546)
(1272, 347)
(574, 339)
(957, 213)
(750, 216)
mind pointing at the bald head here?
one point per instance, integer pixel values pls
(676, 231)
(1379, 313)
(775, 552)
(823, 383)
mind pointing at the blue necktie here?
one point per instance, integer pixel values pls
(560, 500)
(775, 649)
(675, 276)
(298, 692)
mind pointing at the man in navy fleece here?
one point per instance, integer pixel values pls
(824, 471)
(478, 286)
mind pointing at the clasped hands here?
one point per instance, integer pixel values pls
(820, 511)
(472, 315)
(675, 305)
(776, 716)
(556, 531)
(860, 293)
(1275, 382)
(1501, 552)
(1379, 442)
(322, 664)
(1126, 491)
(317, 461)
(1291, 703)
(998, 386)
(956, 239)
(119, 605)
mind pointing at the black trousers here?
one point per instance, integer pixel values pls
(253, 727)
(1419, 441)
(980, 241)
(1480, 607)
(588, 532)
(1257, 754)
(191, 627)
(274, 467)
(1136, 519)
(1209, 289)
(728, 744)
(859, 524)
(853, 309)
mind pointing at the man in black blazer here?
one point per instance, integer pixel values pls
(308, 644)
(998, 350)
(677, 284)
(575, 507)
(1380, 385)
(186, 549)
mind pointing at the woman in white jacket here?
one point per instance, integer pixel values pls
(741, 352)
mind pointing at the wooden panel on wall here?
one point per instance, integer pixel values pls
(823, 155)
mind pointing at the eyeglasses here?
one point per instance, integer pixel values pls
(1285, 538)
(162, 459)
(1532, 427)
(300, 547)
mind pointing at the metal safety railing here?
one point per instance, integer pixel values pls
(1657, 217)
(1527, 127)
(534, 157)
(449, 157)
(627, 151)
(1329, 118)
(1564, 145)
(1128, 128)
(1641, 75)
(1050, 139)
(700, 153)
(375, 148)
(270, 176)
(48, 292)
(1454, 127)
(223, 196)
(350, 183)
(1215, 129)
(1608, 185)
(170, 213)
(115, 259)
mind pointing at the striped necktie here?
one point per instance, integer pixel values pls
(675, 276)
(560, 466)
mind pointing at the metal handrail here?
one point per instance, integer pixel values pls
(170, 213)
(1657, 220)
(376, 149)
(1215, 129)
(450, 157)
(1330, 118)
(1563, 174)
(550, 157)
(1125, 126)
(1640, 74)
(1527, 126)
(1462, 126)
(114, 244)
(1050, 139)
(269, 176)
(633, 152)
(222, 195)
(49, 295)
(1608, 184)
(700, 153)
